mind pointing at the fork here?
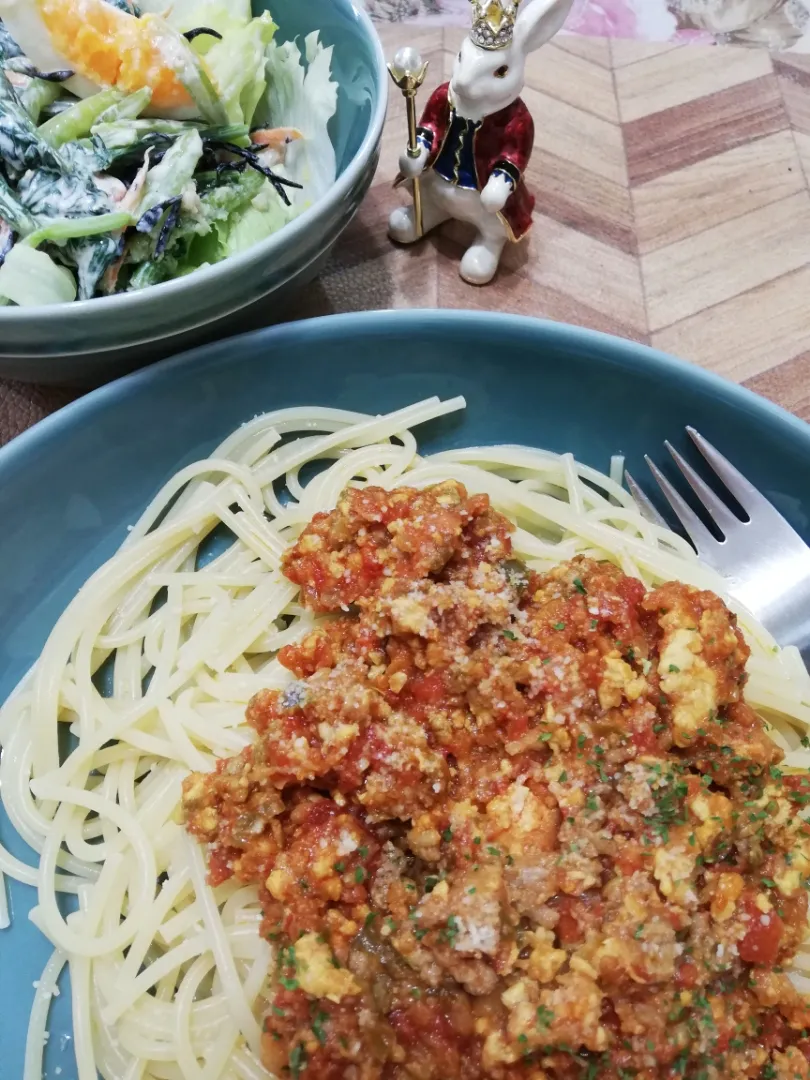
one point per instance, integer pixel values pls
(764, 560)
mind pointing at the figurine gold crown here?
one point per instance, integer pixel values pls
(494, 22)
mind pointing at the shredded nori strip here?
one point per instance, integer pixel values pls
(231, 166)
(149, 220)
(22, 66)
(168, 227)
(278, 182)
(199, 31)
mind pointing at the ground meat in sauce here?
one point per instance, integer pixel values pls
(510, 825)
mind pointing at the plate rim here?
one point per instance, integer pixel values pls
(624, 352)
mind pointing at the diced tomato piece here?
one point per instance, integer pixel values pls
(764, 935)
(797, 787)
(429, 689)
(686, 977)
(774, 1031)
(371, 564)
(632, 590)
(568, 929)
(576, 916)
(644, 740)
(629, 859)
(517, 727)
(219, 868)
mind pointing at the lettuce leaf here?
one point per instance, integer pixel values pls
(303, 95)
(29, 277)
(265, 215)
(197, 239)
(223, 16)
(237, 66)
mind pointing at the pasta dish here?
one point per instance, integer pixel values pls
(389, 767)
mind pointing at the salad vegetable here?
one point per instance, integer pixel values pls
(105, 188)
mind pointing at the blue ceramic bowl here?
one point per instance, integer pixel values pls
(70, 487)
(93, 341)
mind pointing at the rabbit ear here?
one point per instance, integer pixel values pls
(538, 22)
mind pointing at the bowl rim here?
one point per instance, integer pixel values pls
(621, 352)
(21, 317)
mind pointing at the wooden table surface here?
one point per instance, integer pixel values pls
(673, 207)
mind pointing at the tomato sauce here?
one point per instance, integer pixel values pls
(508, 825)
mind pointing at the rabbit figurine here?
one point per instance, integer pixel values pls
(476, 136)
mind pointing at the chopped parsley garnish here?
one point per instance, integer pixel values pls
(471, 891)
(363, 852)
(420, 933)
(277, 1011)
(476, 839)
(581, 740)
(768, 883)
(289, 984)
(638, 931)
(558, 626)
(509, 634)
(579, 586)
(545, 737)
(563, 776)
(372, 915)
(450, 932)
(359, 875)
(416, 992)
(298, 1060)
(339, 867)
(317, 1027)
(594, 623)
(286, 956)
(494, 851)
(674, 667)
(431, 881)
(545, 1018)
(447, 835)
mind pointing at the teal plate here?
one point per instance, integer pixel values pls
(70, 486)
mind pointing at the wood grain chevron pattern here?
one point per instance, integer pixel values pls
(672, 207)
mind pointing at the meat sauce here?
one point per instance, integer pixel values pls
(511, 825)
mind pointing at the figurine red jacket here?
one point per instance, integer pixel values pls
(503, 142)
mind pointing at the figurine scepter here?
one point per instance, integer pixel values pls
(408, 72)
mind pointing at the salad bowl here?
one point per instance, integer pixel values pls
(90, 341)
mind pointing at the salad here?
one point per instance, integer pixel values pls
(139, 144)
